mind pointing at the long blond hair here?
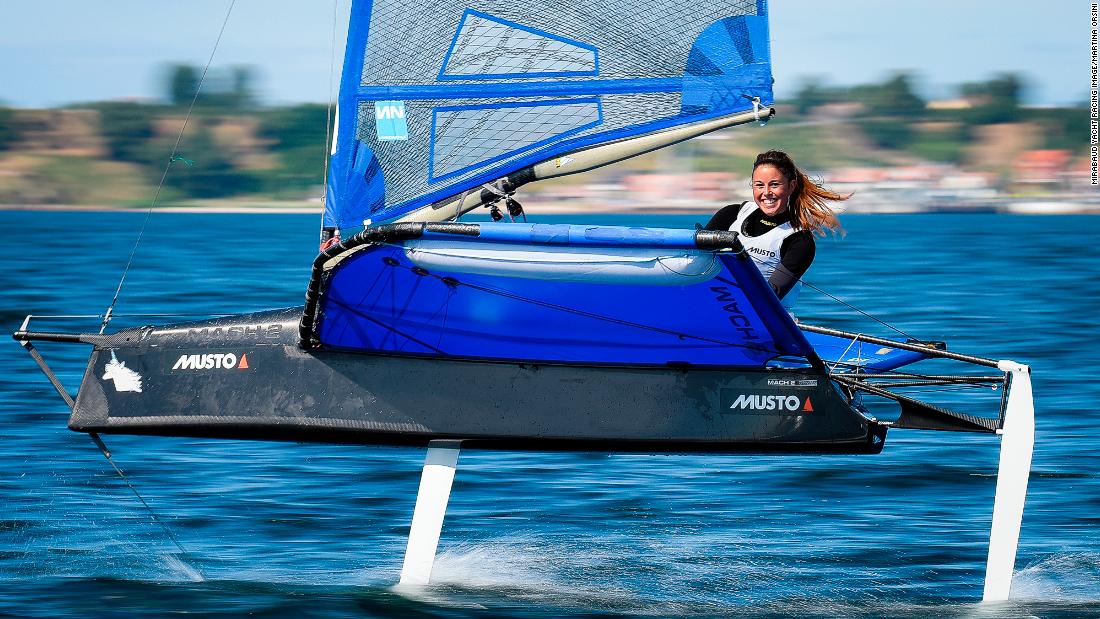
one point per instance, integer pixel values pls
(809, 203)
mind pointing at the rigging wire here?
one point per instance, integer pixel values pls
(861, 312)
(962, 381)
(852, 343)
(172, 158)
(774, 263)
(388, 327)
(490, 290)
(107, 454)
(328, 114)
(450, 281)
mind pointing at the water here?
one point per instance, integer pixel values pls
(279, 529)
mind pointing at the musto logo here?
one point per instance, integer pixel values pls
(734, 401)
(212, 361)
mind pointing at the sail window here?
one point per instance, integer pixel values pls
(487, 47)
(467, 137)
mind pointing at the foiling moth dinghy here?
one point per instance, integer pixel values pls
(582, 344)
(533, 336)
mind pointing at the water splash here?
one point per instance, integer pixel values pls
(520, 569)
(180, 568)
(1067, 578)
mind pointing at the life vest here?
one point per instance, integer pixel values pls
(764, 249)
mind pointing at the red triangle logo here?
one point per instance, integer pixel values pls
(808, 407)
(243, 365)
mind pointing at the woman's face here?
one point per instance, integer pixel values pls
(770, 189)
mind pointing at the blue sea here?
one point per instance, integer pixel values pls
(298, 530)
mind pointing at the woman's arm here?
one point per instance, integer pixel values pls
(795, 256)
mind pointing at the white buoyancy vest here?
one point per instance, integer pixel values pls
(764, 249)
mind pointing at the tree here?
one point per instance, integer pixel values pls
(222, 89)
(183, 83)
(8, 132)
(994, 101)
(895, 98)
(301, 126)
(297, 136)
(888, 133)
(201, 169)
(127, 128)
(812, 93)
(891, 108)
(242, 97)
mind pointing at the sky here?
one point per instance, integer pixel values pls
(57, 52)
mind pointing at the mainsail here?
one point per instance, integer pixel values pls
(439, 98)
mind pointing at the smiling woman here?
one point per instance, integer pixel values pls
(779, 232)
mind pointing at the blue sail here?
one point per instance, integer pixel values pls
(438, 98)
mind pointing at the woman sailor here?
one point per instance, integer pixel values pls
(778, 232)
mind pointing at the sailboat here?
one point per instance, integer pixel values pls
(419, 329)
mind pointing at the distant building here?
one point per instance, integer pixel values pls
(680, 188)
(1040, 170)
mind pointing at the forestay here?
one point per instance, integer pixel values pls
(440, 97)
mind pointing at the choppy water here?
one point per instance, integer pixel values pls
(279, 529)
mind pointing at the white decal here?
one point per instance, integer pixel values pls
(788, 382)
(767, 402)
(390, 111)
(125, 378)
(206, 362)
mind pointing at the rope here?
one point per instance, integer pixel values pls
(171, 159)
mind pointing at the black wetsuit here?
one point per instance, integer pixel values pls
(795, 254)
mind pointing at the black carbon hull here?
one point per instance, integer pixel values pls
(246, 377)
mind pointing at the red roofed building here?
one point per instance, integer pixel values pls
(1041, 169)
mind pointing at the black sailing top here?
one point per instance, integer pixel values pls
(795, 254)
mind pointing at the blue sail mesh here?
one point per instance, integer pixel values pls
(471, 93)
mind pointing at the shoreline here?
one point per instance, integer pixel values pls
(303, 209)
(1020, 207)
